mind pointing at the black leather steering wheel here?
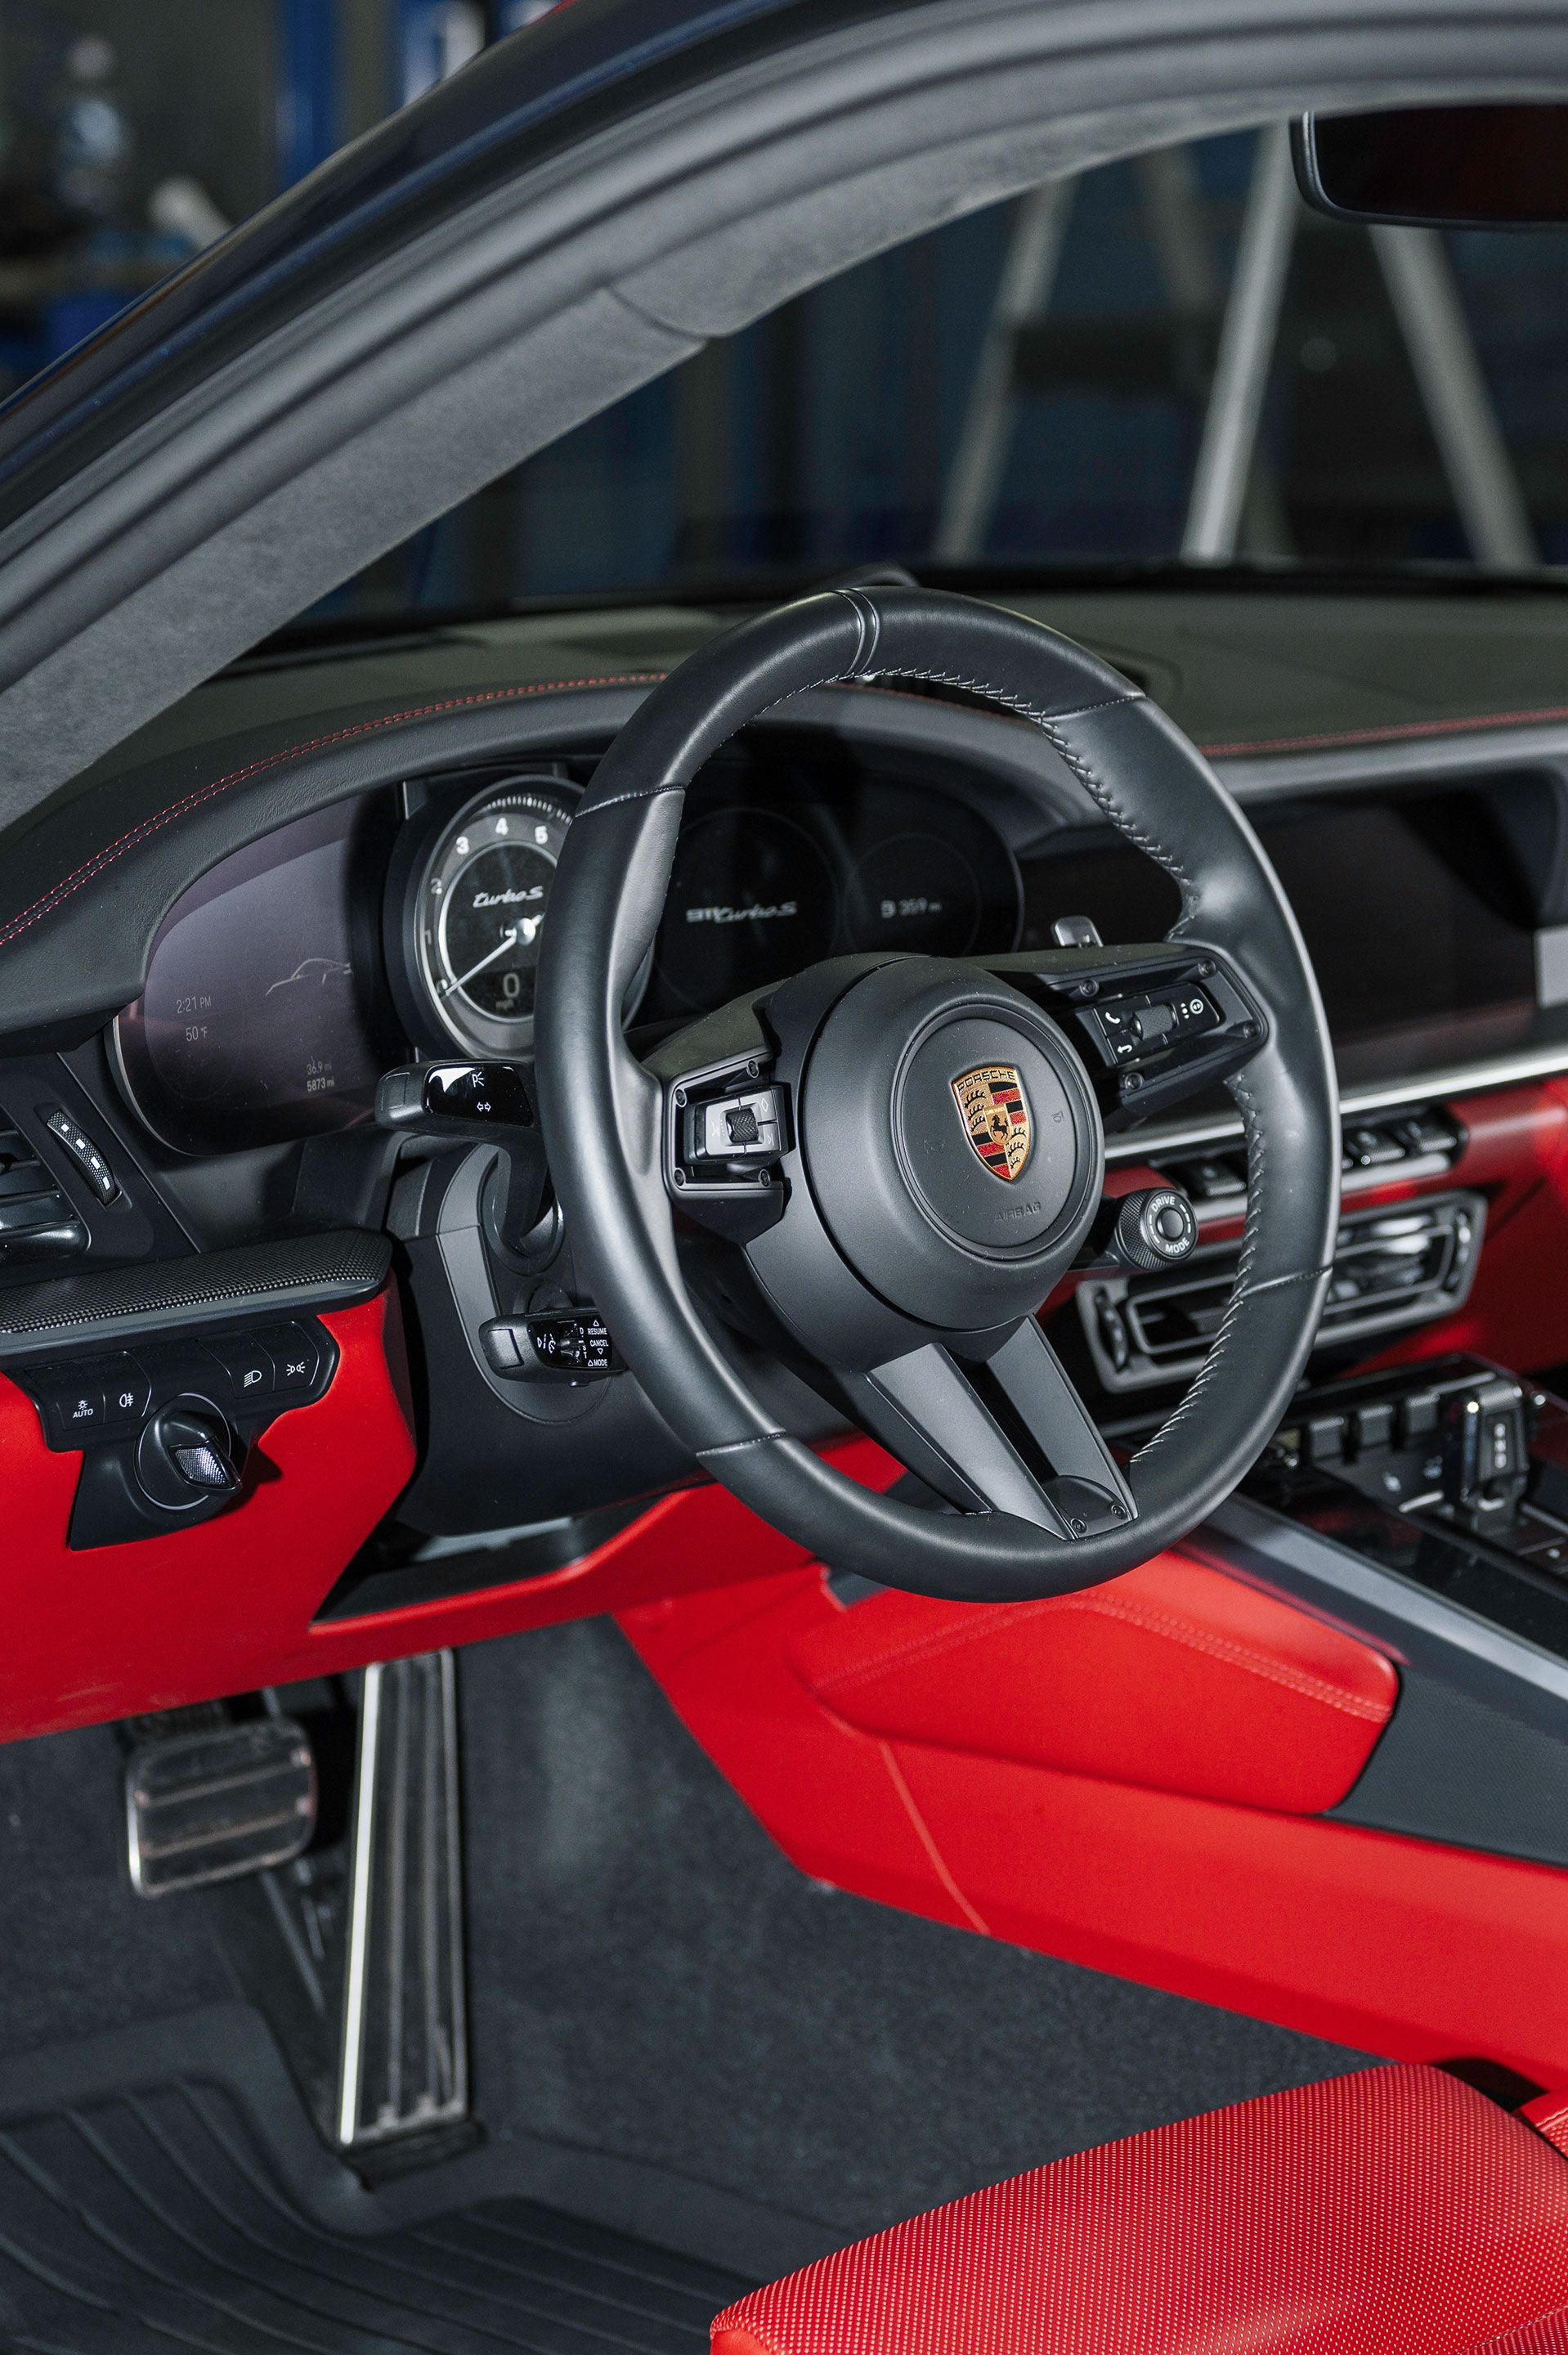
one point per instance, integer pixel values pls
(888, 1162)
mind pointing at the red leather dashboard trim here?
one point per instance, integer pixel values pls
(229, 1606)
(1389, 1945)
(206, 1611)
(1174, 1677)
(1395, 2212)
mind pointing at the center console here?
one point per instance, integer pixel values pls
(1454, 1475)
(1427, 1510)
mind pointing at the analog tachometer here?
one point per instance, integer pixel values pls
(481, 901)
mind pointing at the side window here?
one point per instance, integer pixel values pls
(1069, 379)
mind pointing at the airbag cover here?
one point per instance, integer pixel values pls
(905, 1190)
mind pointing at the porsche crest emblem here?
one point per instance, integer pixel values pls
(995, 1112)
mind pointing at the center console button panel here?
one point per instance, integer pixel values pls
(1374, 1151)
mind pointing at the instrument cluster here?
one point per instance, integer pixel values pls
(285, 980)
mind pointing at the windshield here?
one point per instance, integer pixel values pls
(1162, 359)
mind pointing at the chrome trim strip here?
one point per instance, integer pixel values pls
(1460, 1079)
(352, 2053)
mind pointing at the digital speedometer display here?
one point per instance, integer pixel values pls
(481, 902)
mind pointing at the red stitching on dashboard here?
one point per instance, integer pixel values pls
(100, 859)
(1394, 733)
(62, 891)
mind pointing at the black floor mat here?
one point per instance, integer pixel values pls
(155, 2217)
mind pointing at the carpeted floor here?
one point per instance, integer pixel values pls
(650, 1977)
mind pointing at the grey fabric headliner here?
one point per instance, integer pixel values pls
(602, 270)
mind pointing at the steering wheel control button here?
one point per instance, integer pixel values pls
(728, 1130)
(749, 1126)
(86, 1155)
(560, 1345)
(1131, 1030)
(1153, 1229)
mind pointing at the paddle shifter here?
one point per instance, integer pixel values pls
(489, 1102)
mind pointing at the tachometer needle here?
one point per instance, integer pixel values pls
(507, 941)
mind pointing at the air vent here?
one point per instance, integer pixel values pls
(36, 1222)
(1391, 1268)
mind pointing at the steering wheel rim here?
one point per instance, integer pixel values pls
(608, 1121)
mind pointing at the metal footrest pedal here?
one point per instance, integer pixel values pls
(404, 2060)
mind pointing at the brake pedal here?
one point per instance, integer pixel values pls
(209, 1807)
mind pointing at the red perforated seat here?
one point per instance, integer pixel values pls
(1393, 2212)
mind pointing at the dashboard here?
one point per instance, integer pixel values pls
(361, 872)
(284, 981)
(409, 918)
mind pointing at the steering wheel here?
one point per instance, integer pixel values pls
(884, 1164)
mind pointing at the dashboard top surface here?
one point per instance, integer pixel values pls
(1243, 670)
(1445, 681)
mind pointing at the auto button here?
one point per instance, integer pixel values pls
(75, 1405)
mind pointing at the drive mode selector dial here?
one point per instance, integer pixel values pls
(482, 908)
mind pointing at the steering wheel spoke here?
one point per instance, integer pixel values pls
(1007, 1434)
(1156, 1022)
